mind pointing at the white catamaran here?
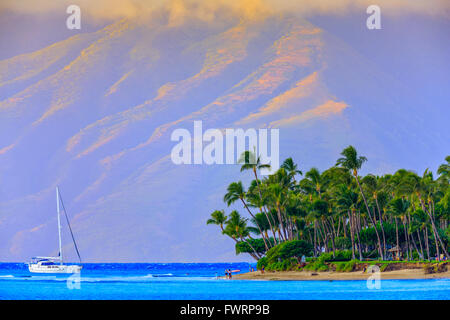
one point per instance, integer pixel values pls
(56, 264)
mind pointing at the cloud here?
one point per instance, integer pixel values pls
(178, 10)
(6, 149)
(323, 111)
(302, 88)
(429, 7)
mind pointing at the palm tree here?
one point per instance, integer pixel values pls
(291, 168)
(261, 220)
(347, 200)
(424, 225)
(399, 208)
(218, 217)
(421, 187)
(250, 161)
(352, 162)
(444, 170)
(371, 183)
(419, 223)
(322, 211)
(254, 200)
(278, 197)
(236, 227)
(236, 192)
(314, 182)
(336, 203)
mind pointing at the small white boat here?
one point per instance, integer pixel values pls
(55, 264)
(50, 265)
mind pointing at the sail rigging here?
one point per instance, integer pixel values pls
(48, 264)
(70, 228)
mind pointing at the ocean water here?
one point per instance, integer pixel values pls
(176, 281)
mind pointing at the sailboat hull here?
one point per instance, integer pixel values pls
(56, 268)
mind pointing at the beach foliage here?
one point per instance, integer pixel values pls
(337, 214)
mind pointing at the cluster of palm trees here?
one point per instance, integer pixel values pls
(401, 215)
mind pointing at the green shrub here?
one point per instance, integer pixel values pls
(317, 266)
(340, 266)
(257, 244)
(287, 250)
(343, 243)
(384, 267)
(350, 266)
(272, 254)
(295, 249)
(262, 262)
(340, 255)
(283, 265)
(323, 268)
(326, 256)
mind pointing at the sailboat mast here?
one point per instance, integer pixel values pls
(59, 226)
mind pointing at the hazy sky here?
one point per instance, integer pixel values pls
(207, 9)
(89, 84)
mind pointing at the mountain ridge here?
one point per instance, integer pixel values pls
(100, 128)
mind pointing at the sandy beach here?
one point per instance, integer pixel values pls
(357, 275)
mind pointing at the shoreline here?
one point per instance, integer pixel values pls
(403, 274)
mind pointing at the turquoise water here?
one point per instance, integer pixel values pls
(198, 282)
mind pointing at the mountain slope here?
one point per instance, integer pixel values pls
(94, 113)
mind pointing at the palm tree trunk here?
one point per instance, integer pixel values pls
(251, 254)
(315, 239)
(381, 224)
(256, 253)
(281, 222)
(319, 237)
(325, 236)
(410, 236)
(290, 228)
(344, 227)
(272, 230)
(396, 233)
(352, 236)
(338, 227)
(264, 207)
(256, 222)
(413, 241)
(420, 244)
(426, 242)
(332, 232)
(359, 242)
(437, 238)
(406, 239)
(370, 217)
